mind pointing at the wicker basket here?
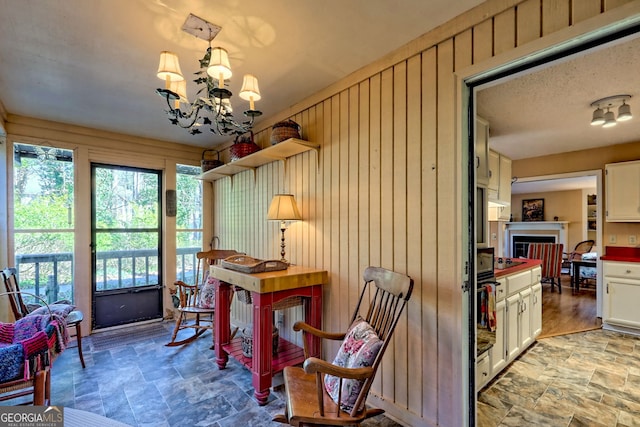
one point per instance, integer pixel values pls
(242, 147)
(208, 164)
(284, 130)
(247, 341)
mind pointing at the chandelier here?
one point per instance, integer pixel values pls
(212, 106)
(608, 119)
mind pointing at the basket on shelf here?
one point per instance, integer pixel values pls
(247, 341)
(243, 146)
(208, 164)
(284, 130)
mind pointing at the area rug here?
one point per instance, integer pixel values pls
(125, 336)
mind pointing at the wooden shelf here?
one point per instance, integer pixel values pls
(288, 354)
(281, 151)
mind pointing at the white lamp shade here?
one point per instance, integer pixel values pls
(609, 120)
(624, 112)
(169, 67)
(283, 208)
(598, 117)
(219, 64)
(180, 87)
(250, 88)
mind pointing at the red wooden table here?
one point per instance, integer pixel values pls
(266, 290)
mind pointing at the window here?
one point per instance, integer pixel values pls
(188, 220)
(43, 221)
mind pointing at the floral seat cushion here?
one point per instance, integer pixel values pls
(359, 349)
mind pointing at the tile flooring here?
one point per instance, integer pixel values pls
(148, 384)
(582, 379)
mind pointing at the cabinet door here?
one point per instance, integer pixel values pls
(526, 337)
(536, 310)
(483, 367)
(620, 305)
(494, 174)
(504, 189)
(482, 151)
(513, 340)
(622, 192)
(498, 351)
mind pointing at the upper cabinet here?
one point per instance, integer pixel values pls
(281, 151)
(499, 189)
(482, 151)
(622, 183)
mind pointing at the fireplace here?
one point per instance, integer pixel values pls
(518, 235)
(520, 244)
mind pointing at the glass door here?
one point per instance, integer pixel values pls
(126, 225)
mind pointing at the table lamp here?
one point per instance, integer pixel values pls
(283, 208)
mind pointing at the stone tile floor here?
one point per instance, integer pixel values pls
(582, 379)
(147, 384)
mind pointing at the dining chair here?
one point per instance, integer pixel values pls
(334, 393)
(551, 256)
(580, 248)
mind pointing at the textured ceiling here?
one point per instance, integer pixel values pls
(549, 111)
(93, 63)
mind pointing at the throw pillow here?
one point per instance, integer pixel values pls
(61, 310)
(208, 293)
(359, 349)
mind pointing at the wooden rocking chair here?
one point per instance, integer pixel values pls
(306, 397)
(191, 302)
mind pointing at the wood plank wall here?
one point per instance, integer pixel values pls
(388, 189)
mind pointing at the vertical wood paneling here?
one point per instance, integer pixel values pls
(386, 190)
(585, 9)
(612, 4)
(449, 299)
(386, 201)
(555, 15)
(399, 349)
(364, 184)
(375, 180)
(342, 218)
(352, 204)
(414, 223)
(464, 55)
(429, 242)
(483, 41)
(504, 32)
(528, 25)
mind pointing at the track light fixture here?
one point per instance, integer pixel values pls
(607, 119)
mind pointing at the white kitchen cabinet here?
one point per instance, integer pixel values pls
(498, 352)
(499, 188)
(519, 323)
(622, 183)
(482, 151)
(483, 371)
(621, 294)
(536, 310)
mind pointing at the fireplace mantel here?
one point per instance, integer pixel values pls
(559, 230)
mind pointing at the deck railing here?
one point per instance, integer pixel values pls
(51, 275)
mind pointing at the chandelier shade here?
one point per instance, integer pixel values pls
(169, 67)
(212, 105)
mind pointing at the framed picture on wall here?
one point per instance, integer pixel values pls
(533, 210)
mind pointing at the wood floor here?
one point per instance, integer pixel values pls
(568, 312)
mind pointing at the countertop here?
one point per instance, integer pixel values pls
(527, 265)
(621, 253)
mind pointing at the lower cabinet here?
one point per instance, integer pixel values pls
(621, 294)
(498, 352)
(518, 322)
